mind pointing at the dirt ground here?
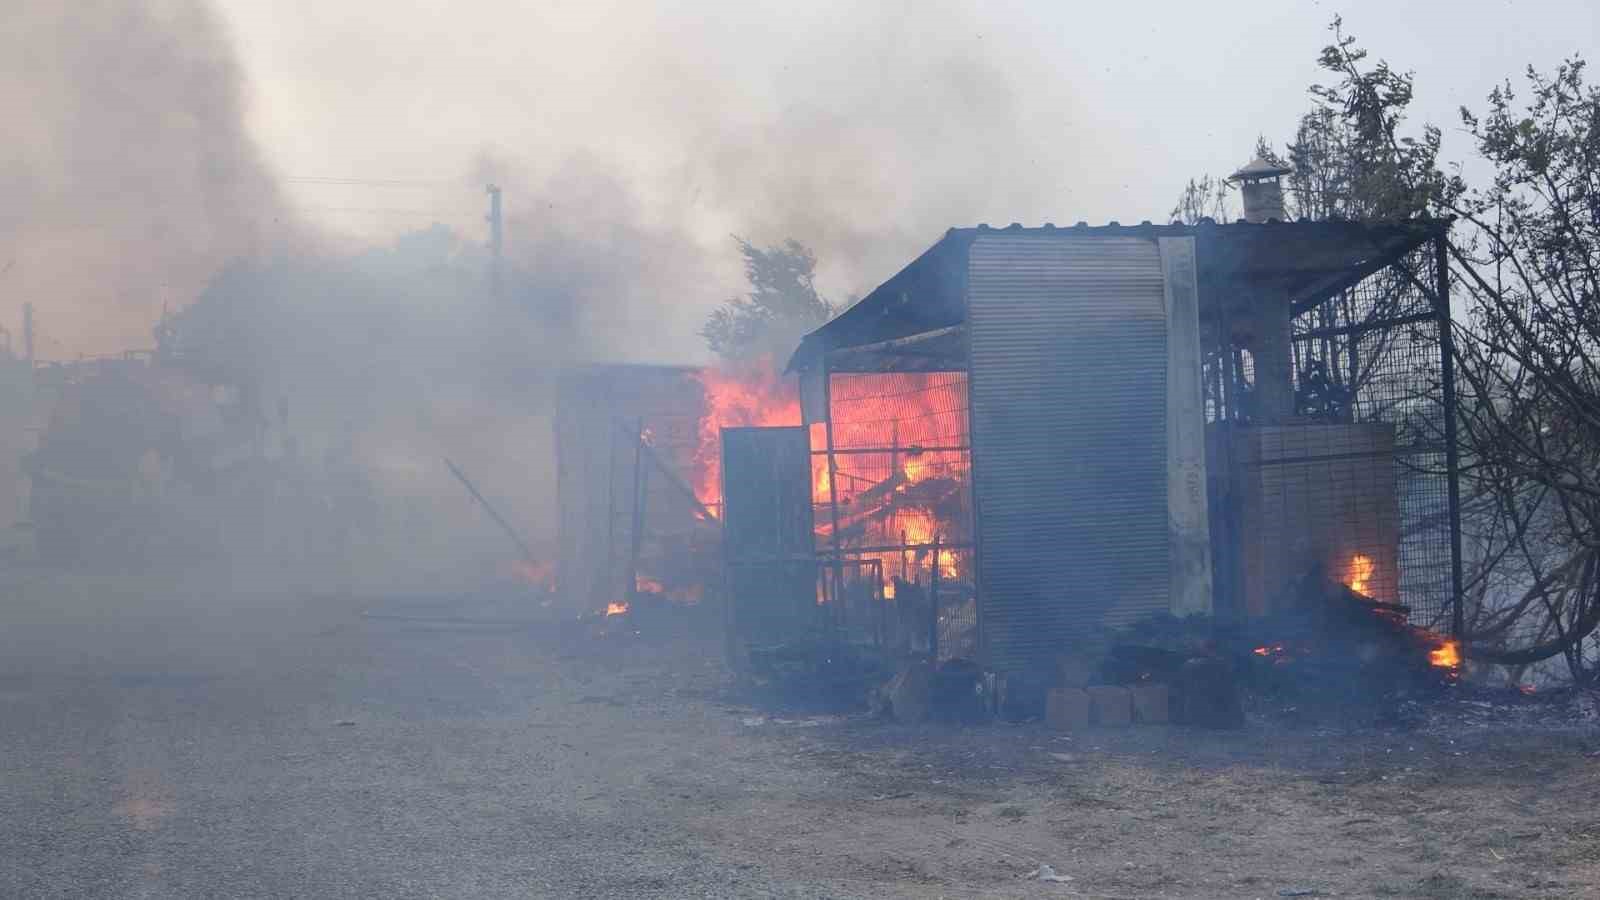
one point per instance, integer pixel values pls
(190, 740)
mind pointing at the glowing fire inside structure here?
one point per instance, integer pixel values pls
(1359, 574)
(901, 461)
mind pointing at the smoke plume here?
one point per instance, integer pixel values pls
(126, 176)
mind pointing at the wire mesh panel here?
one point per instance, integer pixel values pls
(1356, 481)
(901, 476)
(625, 443)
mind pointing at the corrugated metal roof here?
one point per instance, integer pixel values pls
(1240, 261)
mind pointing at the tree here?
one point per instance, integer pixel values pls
(1205, 197)
(1524, 257)
(1528, 259)
(781, 306)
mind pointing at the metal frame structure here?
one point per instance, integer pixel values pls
(1318, 274)
(1371, 348)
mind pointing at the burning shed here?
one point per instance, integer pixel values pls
(627, 440)
(1152, 419)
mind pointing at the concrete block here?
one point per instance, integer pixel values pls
(1067, 709)
(1110, 705)
(1152, 703)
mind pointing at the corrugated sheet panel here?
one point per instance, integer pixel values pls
(1069, 427)
(767, 531)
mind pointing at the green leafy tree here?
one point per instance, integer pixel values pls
(780, 307)
(1524, 257)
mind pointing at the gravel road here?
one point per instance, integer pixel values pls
(197, 740)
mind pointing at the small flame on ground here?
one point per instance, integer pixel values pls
(1359, 573)
(1447, 656)
(616, 609)
(644, 584)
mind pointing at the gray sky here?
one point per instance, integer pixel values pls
(638, 136)
(1112, 106)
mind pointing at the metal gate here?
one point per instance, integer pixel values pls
(767, 533)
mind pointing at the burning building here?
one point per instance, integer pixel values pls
(1030, 435)
(639, 482)
(1075, 428)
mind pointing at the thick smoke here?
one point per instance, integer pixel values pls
(126, 174)
(630, 143)
(633, 140)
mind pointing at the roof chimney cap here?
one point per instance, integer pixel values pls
(1259, 168)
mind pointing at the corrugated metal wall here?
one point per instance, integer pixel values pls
(1068, 357)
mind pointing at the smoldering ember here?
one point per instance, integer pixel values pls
(1246, 550)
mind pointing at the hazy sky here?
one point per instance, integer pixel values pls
(634, 138)
(1113, 104)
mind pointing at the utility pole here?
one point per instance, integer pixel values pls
(27, 334)
(496, 236)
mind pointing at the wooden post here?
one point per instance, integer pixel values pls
(833, 480)
(611, 518)
(638, 513)
(1452, 453)
(933, 598)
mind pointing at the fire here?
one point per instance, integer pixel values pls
(1359, 574)
(755, 396)
(644, 584)
(821, 482)
(915, 468)
(616, 609)
(902, 435)
(1446, 656)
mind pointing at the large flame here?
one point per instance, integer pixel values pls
(915, 424)
(754, 395)
(897, 431)
(1358, 576)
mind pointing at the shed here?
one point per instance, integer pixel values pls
(1100, 362)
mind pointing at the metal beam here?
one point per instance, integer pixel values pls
(1452, 453)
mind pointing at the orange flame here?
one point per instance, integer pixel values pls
(899, 414)
(756, 396)
(616, 609)
(644, 584)
(1447, 656)
(1359, 574)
